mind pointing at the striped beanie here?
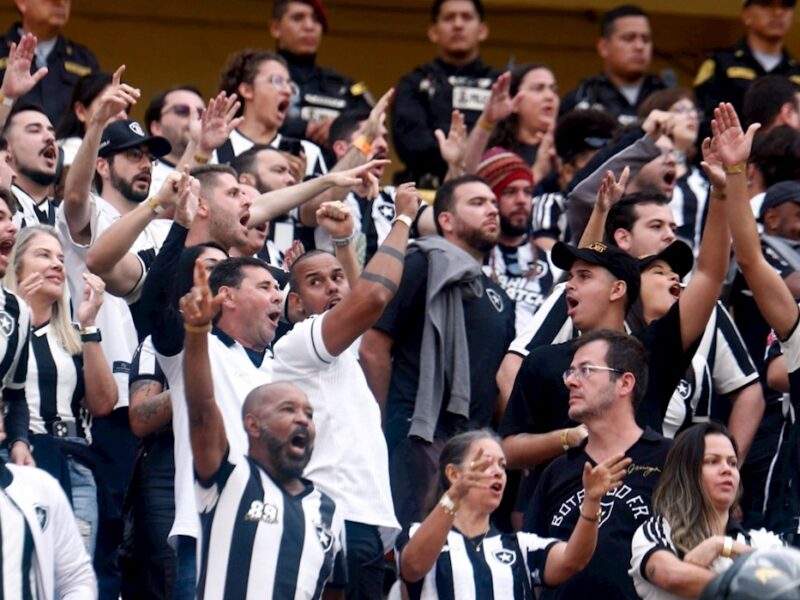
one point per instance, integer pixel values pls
(499, 167)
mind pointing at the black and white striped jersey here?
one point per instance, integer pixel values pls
(495, 567)
(257, 541)
(15, 326)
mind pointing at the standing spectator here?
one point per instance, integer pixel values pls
(288, 544)
(69, 380)
(456, 80)
(521, 267)
(262, 81)
(170, 115)
(727, 74)
(626, 47)
(429, 394)
(607, 379)
(323, 93)
(64, 60)
(472, 480)
(692, 535)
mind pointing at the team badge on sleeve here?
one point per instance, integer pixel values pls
(6, 323)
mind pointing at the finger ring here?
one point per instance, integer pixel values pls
(472, 465)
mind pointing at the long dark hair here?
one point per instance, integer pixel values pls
(505, 134)
(679, 496)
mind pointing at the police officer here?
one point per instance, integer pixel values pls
(726, 74)
(456, 79)
(65, 60)
(298, 25)
(626, 47)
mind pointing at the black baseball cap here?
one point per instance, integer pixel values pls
(678, 255)
(124, 134)
(779, 193)
(621, 264)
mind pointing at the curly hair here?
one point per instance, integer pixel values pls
(242, 67)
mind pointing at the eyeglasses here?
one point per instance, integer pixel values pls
(278, 81)
(689, 111)
(183, 110)
(584, 371)
(136, 154)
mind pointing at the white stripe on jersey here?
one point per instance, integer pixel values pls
(45, 346)
(502, 576)
(463, 573)
(272, 548)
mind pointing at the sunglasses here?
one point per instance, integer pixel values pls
(183, 110)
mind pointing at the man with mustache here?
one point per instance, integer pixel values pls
(32, 145)
(288, 542)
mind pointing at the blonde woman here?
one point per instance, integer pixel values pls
(693, 537)
(69, 379)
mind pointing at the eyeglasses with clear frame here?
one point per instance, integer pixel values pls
(279, 81)
(584, 371)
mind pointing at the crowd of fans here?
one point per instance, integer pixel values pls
(559, 357)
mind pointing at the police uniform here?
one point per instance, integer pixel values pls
(66, 63)
(600, 93)
(324, 93)
(726, 75)
(425, 99)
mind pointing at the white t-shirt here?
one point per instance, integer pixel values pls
(234, 375)
(350, 461)
(114, 319)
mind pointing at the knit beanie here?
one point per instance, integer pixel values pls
(499, 167)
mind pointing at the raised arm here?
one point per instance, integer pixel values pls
(79, 178)
(608, 194)
(110, 256)
(337, 220)
(378, 283)
(453, 146)
(18, 79)
(499, 106)
(697, 301)
(278, 202)
(210, 131)
(100, 388)
(206, 427)
(358, 154)
(774, 300)
(567, 559)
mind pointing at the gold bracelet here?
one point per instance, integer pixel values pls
(565, 439)
(727, 547)
(197, 328)
(485, 125)
(448, 505)
(734, 169)
(157, 208)
(719, 194)
(595, 519)
(363, 144)
(200, 159)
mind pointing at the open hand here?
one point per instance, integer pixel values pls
(218, 121)
(611, 189)
(18, 79)
(377, 116)
(453, 147)
(732, 144)
(471, 475)
(500, 104)
(606, 476)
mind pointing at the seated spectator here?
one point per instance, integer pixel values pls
(690, 195)
(69, 380)
(626, 48)
(607, 378)
(261, 81)
(692, 535)
(471, 482)
(288, 516)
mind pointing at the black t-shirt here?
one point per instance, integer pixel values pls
(489, 324)
(554, 512)
(539, 401)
